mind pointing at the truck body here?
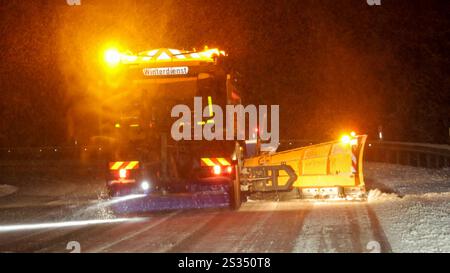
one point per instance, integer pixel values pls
(145, 159)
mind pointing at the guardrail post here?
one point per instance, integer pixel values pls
(397, 157)
(428, 158)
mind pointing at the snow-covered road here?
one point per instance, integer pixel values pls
(408, 211)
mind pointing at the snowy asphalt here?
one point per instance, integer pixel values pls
(260, 226)
(394, 221)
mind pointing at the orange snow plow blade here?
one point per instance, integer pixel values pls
(332, 169)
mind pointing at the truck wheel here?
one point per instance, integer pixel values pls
(112, 193)
(244, 196)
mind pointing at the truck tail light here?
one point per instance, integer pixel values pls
(217, 170)
(123, 173)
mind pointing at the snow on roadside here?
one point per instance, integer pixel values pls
(405, 180)
(416, 223)
(415, 210)
(377, 195)
(7, 190)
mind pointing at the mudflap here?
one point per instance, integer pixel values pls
(197, 197)
(235, 195)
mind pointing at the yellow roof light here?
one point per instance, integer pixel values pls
(345, 139)
(163, 56)
(152, 53)
(211, 52)
(112, 57)
(129, 58)
(174, 51)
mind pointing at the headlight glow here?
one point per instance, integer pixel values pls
(145, 185)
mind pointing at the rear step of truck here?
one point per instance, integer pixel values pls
(213, 197)
(154, 202)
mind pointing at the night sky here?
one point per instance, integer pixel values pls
(330, 65)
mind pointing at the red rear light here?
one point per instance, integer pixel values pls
(217, 170)
(123, 173)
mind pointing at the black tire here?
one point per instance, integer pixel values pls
(111, 193)
(244, 196)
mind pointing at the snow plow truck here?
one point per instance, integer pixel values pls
(152, 171)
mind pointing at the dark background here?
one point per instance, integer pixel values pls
(332, 66)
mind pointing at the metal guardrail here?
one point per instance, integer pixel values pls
(53, 153)
(49, 163)
(406, 153)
